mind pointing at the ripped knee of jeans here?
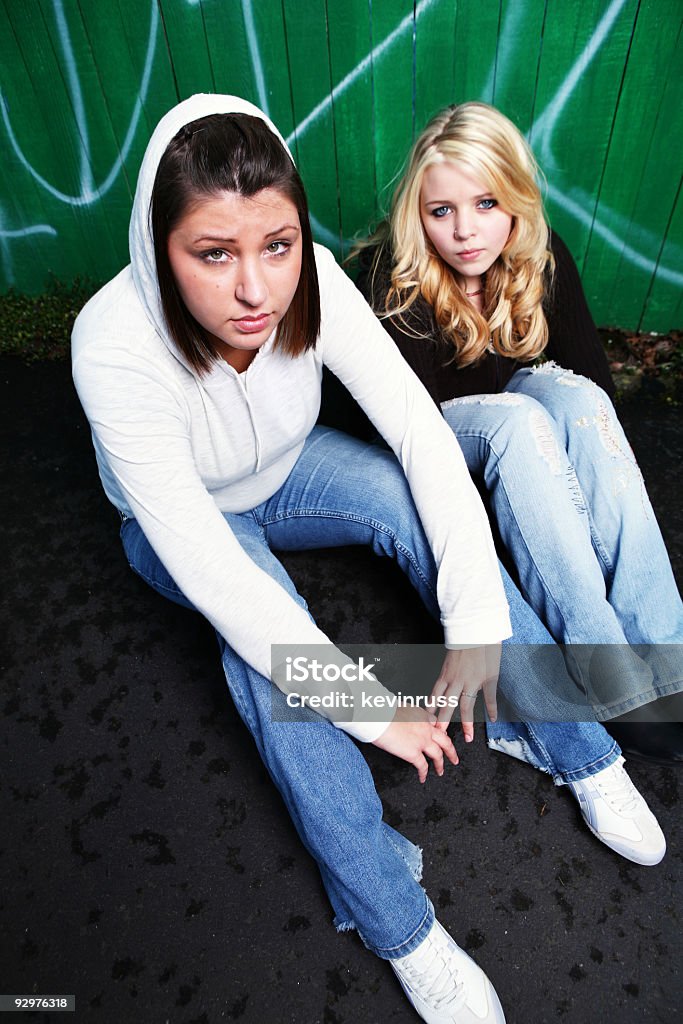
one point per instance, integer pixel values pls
(497, 398)
(546, 443)
(609, 433)
(612, 438)
(565, 377)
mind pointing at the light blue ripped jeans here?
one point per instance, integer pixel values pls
(573, 512)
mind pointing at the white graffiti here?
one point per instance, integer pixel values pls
(256, 62)
(375, 54)
(7, 234)
(89, 192)
(544, 125)
(576, 202)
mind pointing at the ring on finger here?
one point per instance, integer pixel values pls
(472, 695)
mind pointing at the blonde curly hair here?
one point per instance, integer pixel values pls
(512, 321)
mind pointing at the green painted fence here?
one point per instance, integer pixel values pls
(595, 84)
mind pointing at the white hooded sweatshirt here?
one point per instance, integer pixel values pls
(175, 449)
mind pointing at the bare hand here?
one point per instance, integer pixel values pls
(414, 736)
(463, 674)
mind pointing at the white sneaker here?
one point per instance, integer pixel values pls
(445, 985)
(617, 814)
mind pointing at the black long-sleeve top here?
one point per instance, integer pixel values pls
(573, 340)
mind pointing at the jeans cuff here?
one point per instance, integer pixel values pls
(538, 757)
(413, 941)
(612, 755)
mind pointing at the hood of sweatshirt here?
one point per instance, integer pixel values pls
(140, 239)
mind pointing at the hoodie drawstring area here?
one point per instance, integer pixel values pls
(241, 380)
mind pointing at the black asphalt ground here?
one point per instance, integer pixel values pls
(146, 863)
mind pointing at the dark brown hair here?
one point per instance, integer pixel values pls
(229, 153)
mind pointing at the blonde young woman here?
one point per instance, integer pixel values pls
(473, 286)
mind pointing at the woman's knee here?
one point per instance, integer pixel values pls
(504, 426)
(585, 418)
(566, 395)
(385, 501)
(394, 524)
(364, 480)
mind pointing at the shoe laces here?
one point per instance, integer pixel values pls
(618, 790)
(435, 977)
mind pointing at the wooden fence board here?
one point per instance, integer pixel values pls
(92, 148)
(392, 78)
(273, 63)
(636, 206)
(349, 39)
(578, 90)
(32, 205)
(434, 61)
(310, 75)
(476, 39)
(124, 84)
(151, 75)
(185, 32)
(516, 67)
(664, 307)
(47, 136)
(229, 51)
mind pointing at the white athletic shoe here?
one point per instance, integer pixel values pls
(445, 985)
(617, 814)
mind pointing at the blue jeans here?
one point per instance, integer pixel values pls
(573, 512)
(370, 871)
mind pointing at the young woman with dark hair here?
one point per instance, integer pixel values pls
(199, 369)
(229, 164)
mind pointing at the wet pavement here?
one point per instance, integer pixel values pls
(146, 862)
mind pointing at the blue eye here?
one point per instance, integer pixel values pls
(440, 211)
(487, 204)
